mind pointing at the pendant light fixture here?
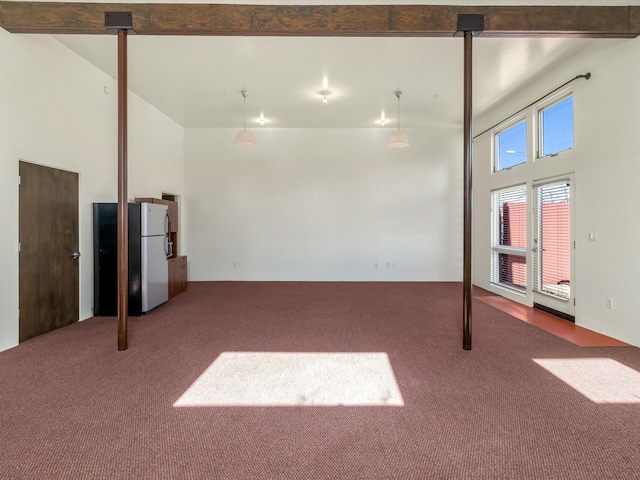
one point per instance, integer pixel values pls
(244, 138)
(398, 139)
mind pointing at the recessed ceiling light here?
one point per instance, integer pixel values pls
(325, 90)
(383, 119)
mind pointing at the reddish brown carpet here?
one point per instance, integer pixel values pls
(74, 408)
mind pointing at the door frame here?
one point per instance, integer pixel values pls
(544, 301)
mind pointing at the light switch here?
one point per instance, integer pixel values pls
(593, 236)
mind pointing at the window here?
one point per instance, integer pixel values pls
(556, 127)
(510, 146)
(509, 238)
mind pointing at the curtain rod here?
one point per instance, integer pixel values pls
(586, 76)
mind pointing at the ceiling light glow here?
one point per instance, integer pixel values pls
(325, 94)
(325, 90)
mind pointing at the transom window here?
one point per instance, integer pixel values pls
(554, 133)
(556, 127)
(511, 146)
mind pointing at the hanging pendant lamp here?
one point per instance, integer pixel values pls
(398, 139)
(244, 138)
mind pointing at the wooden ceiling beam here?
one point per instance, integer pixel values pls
(322, 20)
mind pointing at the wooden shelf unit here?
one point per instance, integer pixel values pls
(177, 275)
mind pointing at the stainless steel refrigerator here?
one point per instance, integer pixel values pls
(149, 248)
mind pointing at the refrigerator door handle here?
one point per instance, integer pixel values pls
(168, 247)
(167, 223)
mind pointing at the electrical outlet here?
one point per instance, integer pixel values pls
(610, 303)
(593, 236)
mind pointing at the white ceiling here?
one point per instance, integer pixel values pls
(197, 80)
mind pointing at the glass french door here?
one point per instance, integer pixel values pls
(553, 246)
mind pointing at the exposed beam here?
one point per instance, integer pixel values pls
(322, 20)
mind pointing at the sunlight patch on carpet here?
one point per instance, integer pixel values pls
(601, 380)
(294, 379)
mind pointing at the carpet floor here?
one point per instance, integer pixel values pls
(73, 407)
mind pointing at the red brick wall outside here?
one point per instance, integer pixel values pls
(555, 242)
(513, 268)
(514, 218)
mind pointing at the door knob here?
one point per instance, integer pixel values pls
(75, 255)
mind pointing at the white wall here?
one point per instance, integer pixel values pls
(55, 113)
(328, 204)
(606, 163)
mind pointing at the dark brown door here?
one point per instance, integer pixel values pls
(49, 264)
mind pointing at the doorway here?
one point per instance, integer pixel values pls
(49, 256)
(553, 245)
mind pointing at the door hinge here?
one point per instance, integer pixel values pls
(574, 244)
(574, 302)
(19, 246)
(19, 179)
(18, 313)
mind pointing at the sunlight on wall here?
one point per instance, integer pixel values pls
(295, 379)
(601, 380)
